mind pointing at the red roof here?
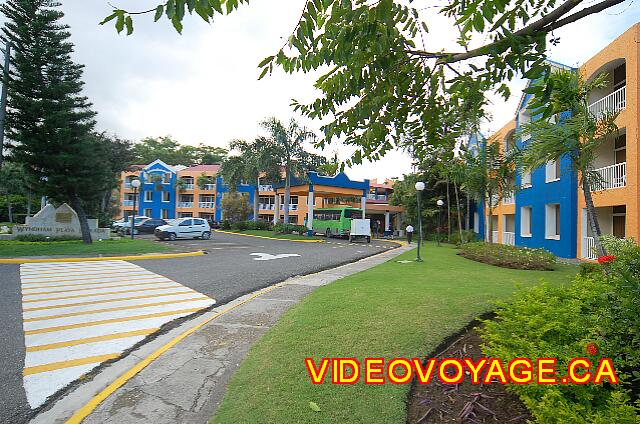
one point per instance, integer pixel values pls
(203, 168)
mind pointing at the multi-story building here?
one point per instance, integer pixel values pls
(173, 191)
(548, 209)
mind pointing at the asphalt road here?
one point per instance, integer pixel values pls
(234, 265)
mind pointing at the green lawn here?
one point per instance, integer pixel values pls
(267, 233)
(77, 247)
(392, 310)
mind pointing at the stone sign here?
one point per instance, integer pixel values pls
(59, 222)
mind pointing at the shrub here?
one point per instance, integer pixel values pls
(468, 236)
(39, 238)
(282, 228)
(263, 225)
(508, 256)
(242, 225)
(558, 322)
(587, 268)
(226, 225)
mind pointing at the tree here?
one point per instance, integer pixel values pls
(289, 152)
(256, 161)
(11, 178)
(578, 134)
(48, 119)
(490, 176)
(172, 152)
(235, 206)
(386, 79)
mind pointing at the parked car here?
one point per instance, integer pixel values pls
(184, 228)
(127, 222)
(147, 226)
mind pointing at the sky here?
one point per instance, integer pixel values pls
(202, 86)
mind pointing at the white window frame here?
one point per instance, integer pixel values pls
(476, 222)
(551, 171)
(148, 196)
(166, 194)
(164, 213)
(526, 215)
(166, 178)
(525, 181)
(148, 212)
(524, 118)
(551, 232)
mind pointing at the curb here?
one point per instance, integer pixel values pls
(270, 238)
(103, 258)
(398, 242)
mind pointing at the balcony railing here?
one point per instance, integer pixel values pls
(589, 248)
(207, 205)
(612, 176)
(612, 103)
(267, 206)
(185, 204)
(127, 203)
(292, 207)
(188, 187)
(509, 238)
(128, 185)
(265, 187)
(508, 199)
(209, 187)
(494, 236)
(379, 197)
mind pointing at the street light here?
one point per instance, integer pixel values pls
(419, 188)
(135, 184)
(440, 203)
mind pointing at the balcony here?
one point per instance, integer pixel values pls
(188, 187)
(508, 199)
(127, 203)
(612, 176)
(265, 187)
(128, 185)
(292, 207)
(378, 197)
(509, 238)
(185, 204)
(267, 206)
(206, 205)
(589, 248)
(611, 103)
(494, 236)
(209, 187)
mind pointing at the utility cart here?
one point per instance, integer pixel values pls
(360, 228)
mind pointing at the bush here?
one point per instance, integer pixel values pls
(39, 238)
(508, 256)
(558, 322)
(468, 236)
(226, 225)
(282, 228)
(588, 268)
(242, 225)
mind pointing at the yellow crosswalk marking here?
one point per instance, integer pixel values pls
(92, 340)
(101, 294)
(141, 283)
(67, 364)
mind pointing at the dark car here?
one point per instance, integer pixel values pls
(145, 227)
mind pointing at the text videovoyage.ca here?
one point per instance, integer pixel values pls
(454, 370)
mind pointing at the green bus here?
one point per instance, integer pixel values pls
(334, 221)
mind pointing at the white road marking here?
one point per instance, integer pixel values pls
(270, 257)
(78, 314)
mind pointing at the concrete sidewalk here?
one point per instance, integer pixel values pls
(187, 383)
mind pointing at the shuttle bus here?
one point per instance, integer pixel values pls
(334, 221)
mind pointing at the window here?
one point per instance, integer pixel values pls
(148, 196)
(524, 118)
(198, 222)
(525, 221)
(526, 179)
(165, 213)
(552, 221)
(147, 212)
(552, 171)
(620, 148)
(619, 219)
(186, 223)
(166, 196)
(166, 178)
(476, 222)
(619, 76)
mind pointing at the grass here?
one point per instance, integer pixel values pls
(267, 233)
(391, 310)
(14, 249)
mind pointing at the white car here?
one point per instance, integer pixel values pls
(127, 222)
(184, 228)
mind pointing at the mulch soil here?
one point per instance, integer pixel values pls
(464, 402)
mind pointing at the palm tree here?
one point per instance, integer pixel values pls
(289, 152)
(578, 134)
(256, 161)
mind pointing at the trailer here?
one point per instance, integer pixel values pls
(360, 228)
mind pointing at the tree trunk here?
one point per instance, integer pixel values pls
(448, 213)
(455, 189)
(490, 223)
(82, 217)
(468, 211)
(287, 197)
(592, 217)
(256, 199)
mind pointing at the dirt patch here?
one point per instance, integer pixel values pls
(464, 402)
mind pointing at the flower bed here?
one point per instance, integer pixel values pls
(509, 256)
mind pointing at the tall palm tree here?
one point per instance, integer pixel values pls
(289, 152)
(256, 161)
(578, 134)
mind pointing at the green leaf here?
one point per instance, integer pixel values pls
(110, 17)
(265, 61)
(159, 12)
(120, 23)
(177, 24)
(263, 73)
(216, 5)
(314, 406)
(129, 24)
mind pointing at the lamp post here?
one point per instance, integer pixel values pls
(440, 203)
(135, 184)
(419, 188)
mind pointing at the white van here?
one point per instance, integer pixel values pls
(184, 228)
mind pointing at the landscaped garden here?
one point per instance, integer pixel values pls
(401, 308)
(124, 246)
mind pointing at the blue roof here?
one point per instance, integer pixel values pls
(339, 180)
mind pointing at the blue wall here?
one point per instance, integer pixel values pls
(241, 188)
(156, 204)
